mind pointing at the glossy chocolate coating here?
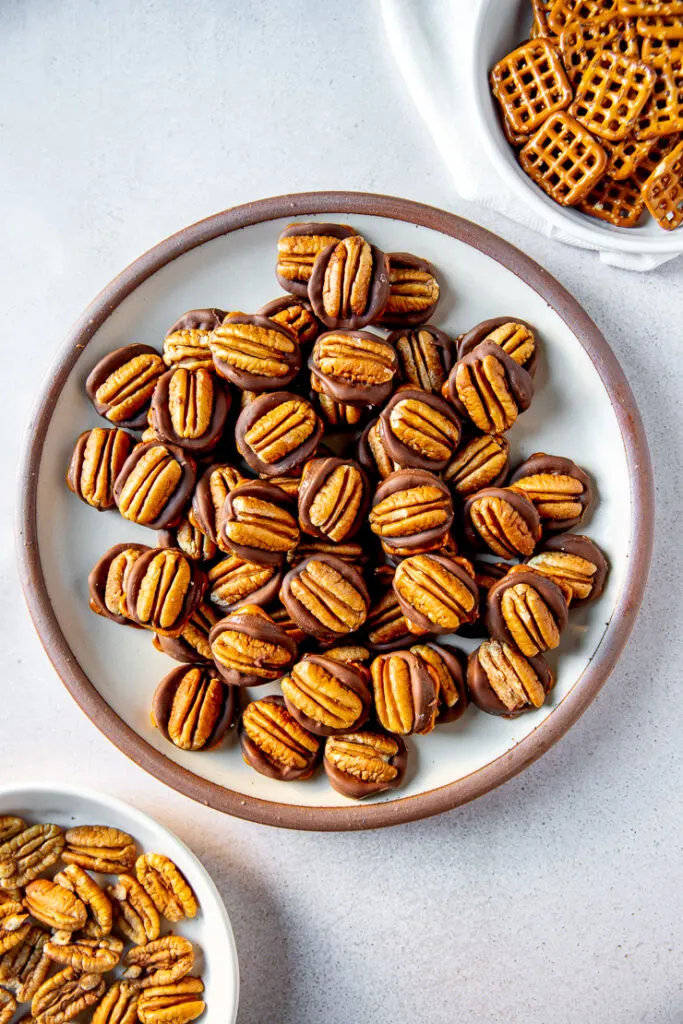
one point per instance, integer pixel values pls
(442, 347)
(386, 628)
(477, 334)
(177, 502)
(485, 575)
(348, 392)
(549, 592)
(162, 423)
(191, 541)
(406, 480)
(193, 594)
(406, 261)
(255, 381)
(420, 620)
(198, 320)
(261, 406)
(205, 514)
(164, 695)
(317, 473)
(582, 547)
(256, 758)
(402, 453)
(97, 582)
(348, 676)
(366, 456)
(315, 228)
(556, 465)
(485, 697)
(358, 789)
(422, 688)
(106, 366)
(520, 504)
(300, 310)
(259, 628)
(520, 382)
(456, 664)
(74, 479)
(300, 615)
(377, 294)
(184, 648)
(264, 491)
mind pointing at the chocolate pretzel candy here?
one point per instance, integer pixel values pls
(209, 496)
(333, 499)
(97, 460)
(296, 314)
(575, 562)
(425, 356)
(435, 593)
(327, 696)
(413, 291)
(188, 341)
(277, 432)
(275, 744)
(501, 681)
(502, 520)
(362, 764)
(192, 646)
(255, 353)
(193, 708)
(256, 522)
(447, 667)
(189, 538)
(560, 490)
(326, 597)
(412, 512)
(189, 408)
(516, 337)
(419, 430)
(405, 694)
(297, 248)
(249, 649)
(482, 461)
(349, 283)
(121, 385)
(155, 484)
(489, 388)
(354, 367)
(108, 582)
(235, 581)
(526, 610)
(163, 589)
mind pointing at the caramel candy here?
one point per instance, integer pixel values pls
(296, 314)
(419, 429)
(326, 597)
(575, 563)
(192, 646)
(560, 490)
(425, 356)
(188, 341)
(187, 536)
(121, 385)
(97, 460)
(354, 367)
(405, 693)
(349, 283)
(297, 248)
(412, 511)
(155, 484)
(249, 649)
(108, 582)
(516, 337)
(164, 588)
(275, 744)
(413, 291)
(361, 764)
(277, 432)
(193, 708)
(436, 594)
(255, 353)
(489, 388)
(479, 462)
(501, 681)
(189, 408)
(209, 496)
(447, 667)
(256, 522)
(526, 610)
(235, 580)
(333, 499)
(502, 520)
(327, 695)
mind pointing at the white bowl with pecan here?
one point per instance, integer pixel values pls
(205, 940)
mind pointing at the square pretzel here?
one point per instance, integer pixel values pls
(663, 114)
(530, 84)
(663, 190)
(661, 28)
(617, 202)
(611, 94)
(564, 11)
(564, 159)
(650, 8)
(658, 51)
(539, 24)
(580, 41)
(625, 156)
(661, 148)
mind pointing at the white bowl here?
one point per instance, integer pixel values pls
(500, 26)
(210, 931)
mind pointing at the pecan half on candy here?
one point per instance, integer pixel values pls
(277, 432)
(209, 496)
(412, 511)
(193, 708)
(249, 648)
(326, 597)
(326, 695)
(354, 367)
(372, 454)
(489, 388)
(425, 357)
(235, 581)
(164, 588)
(97, 460)
(419, 429)
(413, 291)
(187, 536)
(296, 314)
(527, 610)
(297, 248)
(189, 408)
(121, 385)
(275, 744)
(257, 524)
(516, 337)
(155, 484)
(333, 498)
(349, 283)
(447, 667)
(361, 764)
(109, 579)
(435, 593)
(502, 520)
(405, 693)
(574, 562)
(480, 462)
(188, 340)
(501, 681)
(560, 490)
(255, 353)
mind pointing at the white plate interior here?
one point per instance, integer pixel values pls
(571, 415)
(210, 931)
(502, 26)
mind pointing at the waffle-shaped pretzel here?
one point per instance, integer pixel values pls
(580, 41)
(539, 24)
(663, 190)
(564, 159)
(625, 156)
(516, 139)
(530, 84)
(663, 114)
(611, 94)
(618, 202)
(564, 11)
(658, 51)
(660, 148)
(651, 8)
(661, 28)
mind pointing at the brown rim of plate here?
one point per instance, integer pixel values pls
(508, 764)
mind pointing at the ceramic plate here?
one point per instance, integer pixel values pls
(210, 930)
(583, 409)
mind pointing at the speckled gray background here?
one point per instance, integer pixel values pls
(559, 897)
